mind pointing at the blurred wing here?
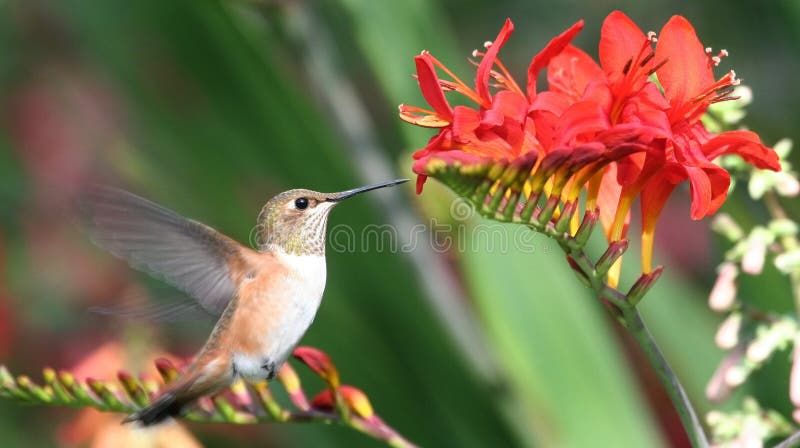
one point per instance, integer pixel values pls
(138, 307)
(186, 254)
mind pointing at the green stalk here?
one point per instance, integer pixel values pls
(636, 327)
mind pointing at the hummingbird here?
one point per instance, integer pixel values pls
(266, 298)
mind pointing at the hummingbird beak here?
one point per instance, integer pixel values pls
(337, 197)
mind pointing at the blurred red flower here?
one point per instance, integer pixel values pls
(101, 429)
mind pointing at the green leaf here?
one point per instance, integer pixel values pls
(553, 342)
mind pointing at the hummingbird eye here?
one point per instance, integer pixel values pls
(301, 203)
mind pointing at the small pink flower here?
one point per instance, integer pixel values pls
(794, 378)
(756, 252)
(723, 295)
(728, 333)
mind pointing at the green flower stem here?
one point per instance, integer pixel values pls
(636, 327)
(64, 390)
(623, 306)
(790, 441)
(628, 315)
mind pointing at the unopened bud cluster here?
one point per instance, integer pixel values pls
(747, 427)
(752, 336)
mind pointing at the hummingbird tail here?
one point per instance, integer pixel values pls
(165, 406)
(172, 401)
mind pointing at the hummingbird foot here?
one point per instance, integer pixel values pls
(270, 368)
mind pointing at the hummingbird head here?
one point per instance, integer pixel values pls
(295, 221)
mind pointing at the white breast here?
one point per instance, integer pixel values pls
(309, 272)
(301, 295)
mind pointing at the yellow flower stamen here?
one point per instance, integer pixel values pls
(617, 227)
(648, 238)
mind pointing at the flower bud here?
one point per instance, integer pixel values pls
(783, 227)
(794, 377)
(770, 338)
(783, 147)
(718, 388)
(291, 382)
(714, 418)
(586, 228)
(643, 285)
(788, 261)
(320, 363)
(787, 185)
(723, 294)
(611, 255)
(756, 251)
(355, 399)
(759, 350)
(736, 375)
(760, 183)
(727, 227)
(728, 333)
(167, 369)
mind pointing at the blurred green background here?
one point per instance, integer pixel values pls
(212, 107)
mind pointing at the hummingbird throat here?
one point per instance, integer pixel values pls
(295, 235)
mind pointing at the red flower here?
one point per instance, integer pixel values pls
(684, 69)
(607, 128)
(506, 125)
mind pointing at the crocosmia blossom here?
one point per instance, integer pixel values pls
(623, 129)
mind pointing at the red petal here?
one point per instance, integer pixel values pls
(654, 196)
(323, 401)
(439, 142)
(598, 91)
(545, 128)
(639, 167)
(629, 168)
(553, 102)
(506, 103)
(485, 68)
(553, 48)
(745, 144)
(581, 118)
(421, 178)
(465, 122)
(687, 72)
(651, 97)
(356, 400)
(621, 40)
(608, 198)
(494, 143)
(709, 186)
(319, 362)
(571, 71)
(429, 85)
